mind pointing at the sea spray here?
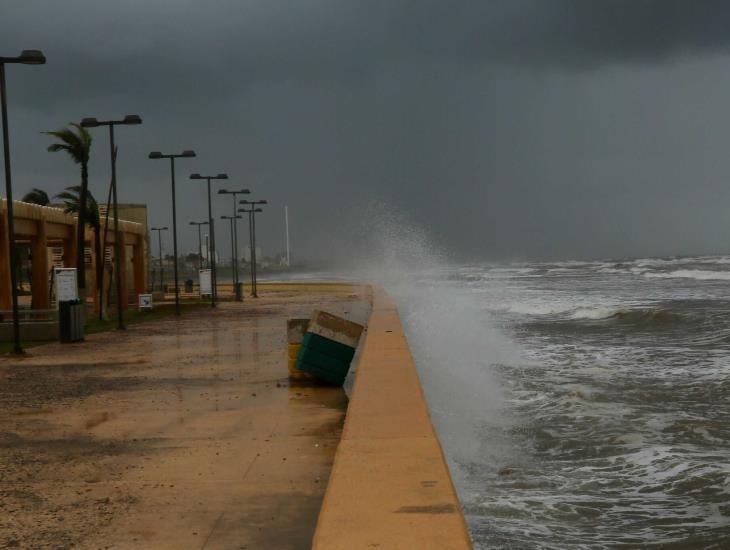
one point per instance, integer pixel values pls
(453, 343)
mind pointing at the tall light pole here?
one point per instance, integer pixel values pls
(252, 228)
(200, 243)
(211, 223)
(26, 57)
(159, 242)
(233, 249)
(156, 155)
(235, 229)
(286, 226)
(118, 239)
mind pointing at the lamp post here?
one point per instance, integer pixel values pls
(156, 155)
(233, 249)
(200, 244)
(252, 235)
(159, 242)
(207, 250)
(235, 229)
(211, 225)
(118, 240)
(26, 57)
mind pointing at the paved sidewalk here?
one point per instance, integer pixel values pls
(175, 434)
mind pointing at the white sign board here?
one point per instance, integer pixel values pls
(145, 301)
(66, 287)
(205, 282)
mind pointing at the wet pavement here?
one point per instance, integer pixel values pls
(179, 433)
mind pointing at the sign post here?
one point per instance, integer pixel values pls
(205, 282)
(145, 302)
(66, 286)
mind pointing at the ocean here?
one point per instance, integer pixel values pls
(580, 404)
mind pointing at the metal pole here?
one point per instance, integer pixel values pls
(174, 237)
(233, 255)
(200, 249)
(118, 240)
(286, 224)
(207, 250)
(250, 253)
(255, 270)
(17, 348)
(235, 244)
(159, 242)
(211, 227)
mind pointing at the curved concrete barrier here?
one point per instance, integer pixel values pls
(390, 486)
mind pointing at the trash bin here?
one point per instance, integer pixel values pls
(70, 321)
(188, 285)
(239, 292)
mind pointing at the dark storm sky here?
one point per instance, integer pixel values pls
(507, 129)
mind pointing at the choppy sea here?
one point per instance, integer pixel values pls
(581, 404)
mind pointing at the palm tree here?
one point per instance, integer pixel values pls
(78, 146)
(36, 196)
(72, 200)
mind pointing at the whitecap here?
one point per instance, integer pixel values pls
(698, 274)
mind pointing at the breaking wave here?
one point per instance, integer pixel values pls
(698, 274)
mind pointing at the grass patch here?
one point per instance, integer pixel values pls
(131, 317)
(7, 347)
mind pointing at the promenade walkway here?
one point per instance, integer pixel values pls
(182, 433)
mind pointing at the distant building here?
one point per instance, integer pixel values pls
(134, 212)
(247, 254)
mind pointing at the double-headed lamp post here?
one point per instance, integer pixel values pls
(27, 57)
(211, 225)
(159, 242)
(156, 155)
(118, 239)
(234, 194)
(200, 243)
(252, 235)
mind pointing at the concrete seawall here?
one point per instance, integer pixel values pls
(390, 486)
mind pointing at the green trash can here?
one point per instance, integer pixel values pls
(239, 292)
(70, 321)
(188, 285)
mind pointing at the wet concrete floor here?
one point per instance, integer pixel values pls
(179, 433)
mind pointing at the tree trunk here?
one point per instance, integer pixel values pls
(81, 232)
(99, 266)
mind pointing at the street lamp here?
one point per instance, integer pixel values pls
(159, 241)
(211, 224)
(252, 235)
(27, 57)
(156, 155)
(235, 229)
(128, 120)
(200, 244)
(233, 249)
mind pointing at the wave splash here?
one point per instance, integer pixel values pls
(454, 344)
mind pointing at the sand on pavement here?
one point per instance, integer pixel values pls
(178, 433)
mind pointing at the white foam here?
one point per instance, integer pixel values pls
(698, 274)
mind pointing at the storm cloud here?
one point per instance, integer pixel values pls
(506, 128)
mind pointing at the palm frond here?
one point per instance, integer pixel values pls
(71, 198)
(36, 196)
(76, 143)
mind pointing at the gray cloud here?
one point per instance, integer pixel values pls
(508, 128)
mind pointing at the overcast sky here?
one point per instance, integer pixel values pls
(507, 129)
